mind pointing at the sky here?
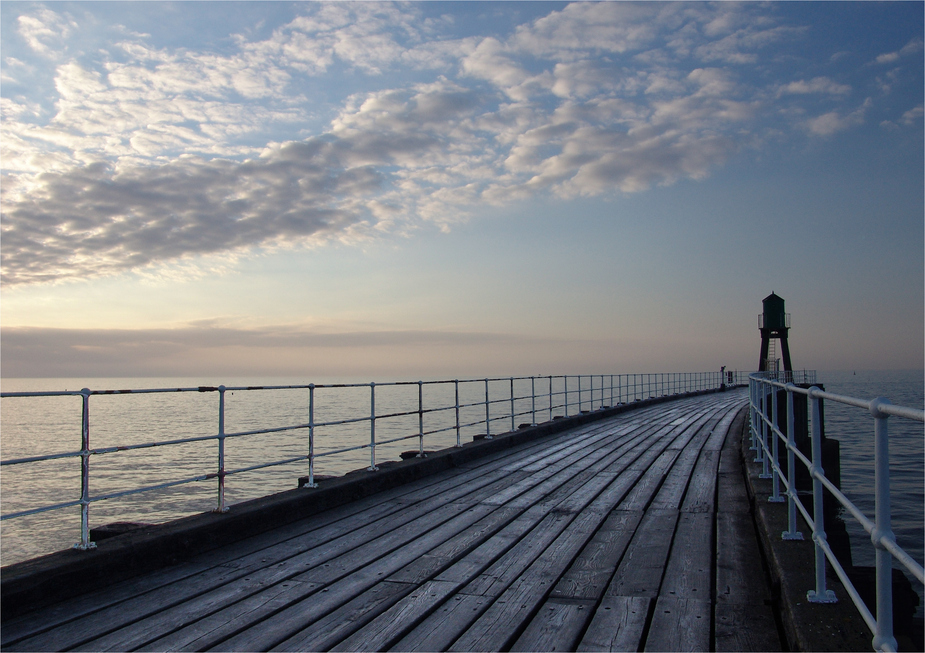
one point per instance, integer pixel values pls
(457, 189)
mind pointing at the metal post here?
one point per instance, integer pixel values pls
(456, 386)
(533, 401)
(791, 533)
(565, 380)
(311, 437)
(765, 456)
(775, 459)
(611, 392)
(487, 414)
(550, 397)
(221, 507)
(579, 393)
(420, 419)
(372, 428)
(513, 426)
(820, 594)
(883, 529)
(85, 542)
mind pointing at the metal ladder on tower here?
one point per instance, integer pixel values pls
(772, 362)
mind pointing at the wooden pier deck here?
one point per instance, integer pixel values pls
(630, 533)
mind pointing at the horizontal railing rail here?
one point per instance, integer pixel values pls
(763, 402)
(503, 407)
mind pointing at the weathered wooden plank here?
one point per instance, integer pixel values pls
(671, 493)
(641, 495)
(494, 580)
(741, 627)
(738, 560)
(494, 630)
(721, 430)
(679, 625)
(337, 534)
(441, 557)
(301, 610)
(393, 624)
(640, 570)
(339, 575)
(701, 491)
(345, 620)
(618, 624)
(439, 629)
(730, 491)
(689, 573)
(589, 574)
(556, 627)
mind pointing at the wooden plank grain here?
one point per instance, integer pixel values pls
(701, 490)
(556, 627)
(689, 572)
(618, 624)
(679, 625)
(336, 626)
(640, 570)
(495, 629)
(741, 627)
(393, 624)
(590, 572)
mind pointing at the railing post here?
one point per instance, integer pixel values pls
(883, 529)
(487, 414)
(775, 459)
(763, 435)
(550, 397)
(532, 401)
(221, 507)
(420, 419)
(85, 542)
(311, 437)
(456, 387)
(611, 392)
(565, 393)
(579, 394)
(513, 425)
(372, 428)
(791, 533)
(820, 594)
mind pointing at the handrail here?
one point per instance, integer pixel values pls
(502, 408)
(763, 399)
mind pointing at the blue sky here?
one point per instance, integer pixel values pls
(457, 189)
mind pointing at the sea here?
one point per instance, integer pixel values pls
(36, 426)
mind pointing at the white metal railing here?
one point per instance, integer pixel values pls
(789, 376)
(763, 401)
(547, 394)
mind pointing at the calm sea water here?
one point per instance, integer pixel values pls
(37, 426)
(854, 429)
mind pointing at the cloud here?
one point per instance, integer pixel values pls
(911, 47)
(834, 121)
(817, 85)
(96, 220)
(45, 31)
(154, 154)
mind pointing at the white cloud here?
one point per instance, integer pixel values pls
(818, 85)
(834, 121)
(911, 47)
(159, 154)
(45, 31)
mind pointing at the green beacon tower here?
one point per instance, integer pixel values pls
(773, 323)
